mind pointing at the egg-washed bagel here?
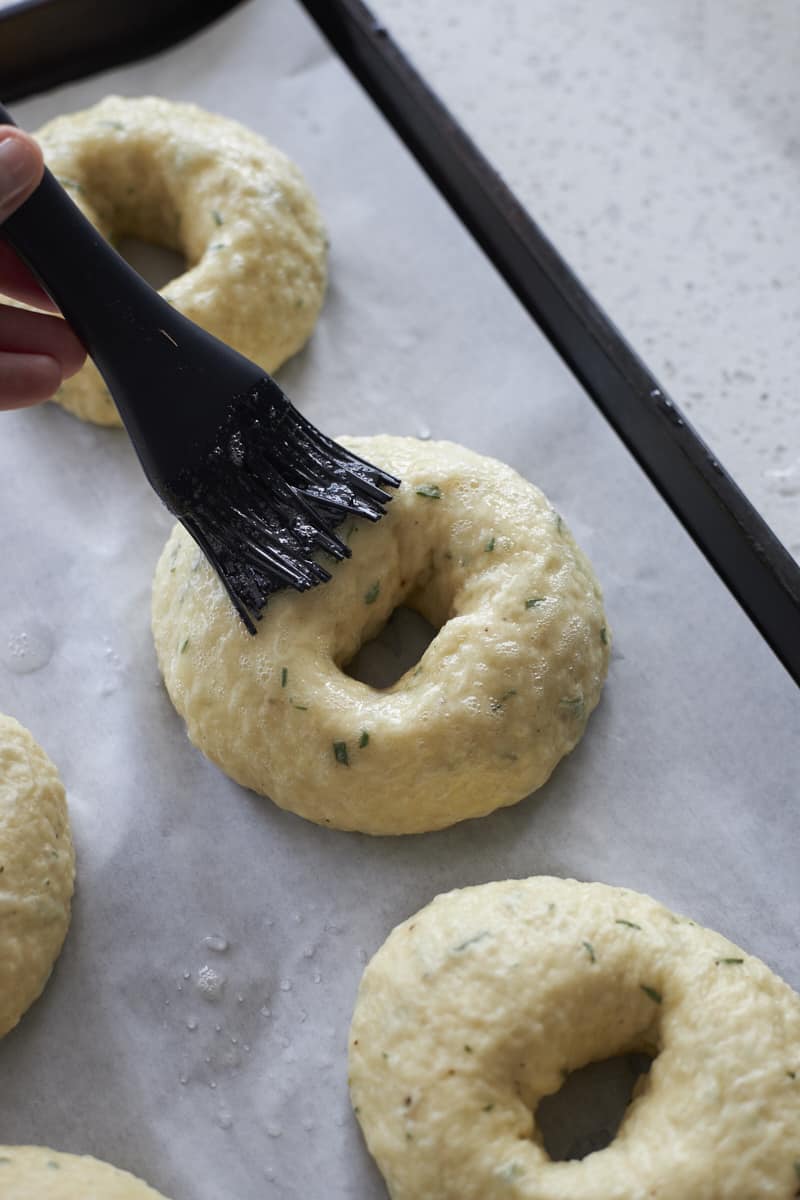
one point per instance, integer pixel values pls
(503, 691)
(36, 1173)
(236, 208)
(478, 1006)
(37, 871)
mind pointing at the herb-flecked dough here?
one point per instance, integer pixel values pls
(501, 694)
(236, 208)
(37, 871)
(36, 1173)
(478, 1006)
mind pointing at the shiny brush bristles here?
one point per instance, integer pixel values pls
(269, 497)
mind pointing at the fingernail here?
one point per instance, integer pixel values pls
(18, 170)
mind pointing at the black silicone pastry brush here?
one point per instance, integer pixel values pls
(258, 487)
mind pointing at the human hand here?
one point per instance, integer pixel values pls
(37, 350)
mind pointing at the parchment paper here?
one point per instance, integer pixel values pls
(686, 785)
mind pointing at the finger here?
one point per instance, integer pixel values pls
(17, 281)
(27, 379)
(23, 332)
(21, 168)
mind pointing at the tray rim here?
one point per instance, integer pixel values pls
(46, 43)
(40, 48)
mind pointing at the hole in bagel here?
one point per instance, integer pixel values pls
(157, 264)
(587, 1111)
(396, 649)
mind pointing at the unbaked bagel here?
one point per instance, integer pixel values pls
(501, 694)
(36, 1173)
(235, 207)
(37, 871)
(477, 1007)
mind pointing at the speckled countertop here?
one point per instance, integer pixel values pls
(658, 146)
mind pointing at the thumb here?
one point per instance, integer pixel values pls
(21, 168)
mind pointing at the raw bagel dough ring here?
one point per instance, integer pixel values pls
(500, 695)
(36, 1173)
(237, 208)
(474, 1009)
(37, 871)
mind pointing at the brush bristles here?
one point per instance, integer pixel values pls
(269, 496)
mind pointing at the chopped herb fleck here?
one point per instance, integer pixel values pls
(479, 937)
(217, 246)
(630, 924)
(488, 1107)
(559, 522)
(497, 705)
(217, 218)
(340, 753)
(299, 707)
(728, 961)
(299, 302)
(416, 671)
(574, 704)
(589, 948)
(792, 1074)
(364, 739)
(54, 1166)
(372, 592)
(511, 1171)
(430, 490)
(5, 1159)
(489, 547)
(604, 635)
(654, 995)
(534, 601)
(468, 1049)
(284, 676)
(112, 124)
(185, 646)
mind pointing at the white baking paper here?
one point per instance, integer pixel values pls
(685, 786)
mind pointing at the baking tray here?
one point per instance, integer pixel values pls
(684, 786)
(46, 42)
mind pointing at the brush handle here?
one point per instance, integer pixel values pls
(143, 347)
